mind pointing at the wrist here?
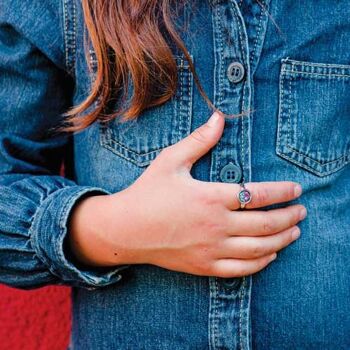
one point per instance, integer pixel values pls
(90, 235)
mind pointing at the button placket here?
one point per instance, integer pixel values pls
(229, 320)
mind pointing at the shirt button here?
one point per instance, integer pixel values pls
(231, 173)
(235, 72)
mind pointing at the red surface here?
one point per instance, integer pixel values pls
(34, 320)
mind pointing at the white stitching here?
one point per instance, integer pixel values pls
(133, 156)
(316, 161)
(65, 32)
(74, 36)
(302, 165)
(330, 75)
(315, 64)
(257, 36)
(287, 145)
(241, 299)
(69, 35)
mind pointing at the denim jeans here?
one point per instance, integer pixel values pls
(286, 64)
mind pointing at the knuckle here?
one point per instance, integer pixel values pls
(267, 225)
(262, 195)
(204, 269)
(199, 135)
(215, 196)
(206, 197)
(258, 251)
(205, 254)
(215, 192)
(202, 263)
(215, 227)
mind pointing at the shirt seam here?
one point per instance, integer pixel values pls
(69, 33)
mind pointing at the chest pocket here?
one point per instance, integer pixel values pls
(140, 140)
(314, 116)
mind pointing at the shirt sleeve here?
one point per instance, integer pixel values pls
(35, 200)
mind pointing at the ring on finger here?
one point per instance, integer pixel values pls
(244, 196)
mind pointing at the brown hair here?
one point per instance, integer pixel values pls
(129, 38)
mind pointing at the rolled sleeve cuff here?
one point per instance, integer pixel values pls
(48, 231)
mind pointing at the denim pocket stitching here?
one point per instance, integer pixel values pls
(178, 127)
(287, 74)
(291, 79)
(330, 75)
(111, 139)
(316, 161)
(283, 155)
(287, 61)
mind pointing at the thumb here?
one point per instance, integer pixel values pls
(188, 150)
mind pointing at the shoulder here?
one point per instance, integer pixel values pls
(48, 25)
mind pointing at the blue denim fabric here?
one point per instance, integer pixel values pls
(294, 78)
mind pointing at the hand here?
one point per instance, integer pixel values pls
(169, 219)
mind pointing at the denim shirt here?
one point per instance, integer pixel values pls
(285, 61)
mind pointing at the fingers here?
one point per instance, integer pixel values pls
(263, 193)
(263, 223)
(255, 247)
(242, 255)
(188, 150)
(247, 255)
(239, 267)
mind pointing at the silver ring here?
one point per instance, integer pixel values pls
(244, 196)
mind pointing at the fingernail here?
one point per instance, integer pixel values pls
(296, 233)
(273, 257)
(213, 119)
(297, 190)
(302, 214)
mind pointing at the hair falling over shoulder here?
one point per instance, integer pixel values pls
(129, 40)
